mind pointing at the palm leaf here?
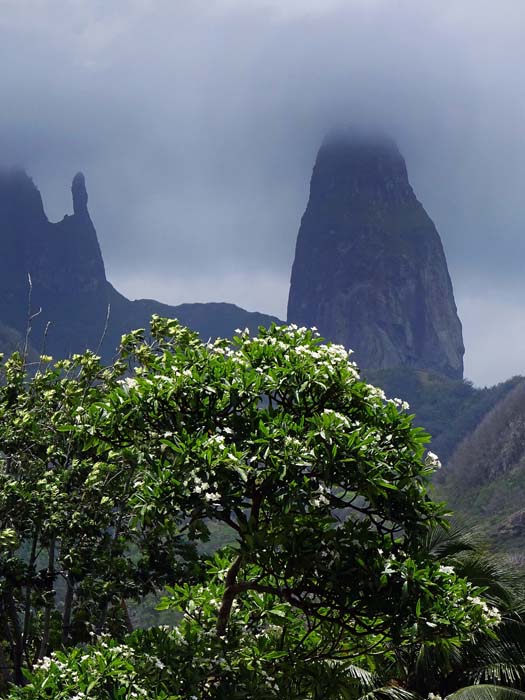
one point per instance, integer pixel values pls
(390, 692)
(486, 692)
(457, 538)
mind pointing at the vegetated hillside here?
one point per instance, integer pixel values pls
(448, 409)
(210, 320)
(485, 476)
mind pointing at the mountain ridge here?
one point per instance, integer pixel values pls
(55, 274)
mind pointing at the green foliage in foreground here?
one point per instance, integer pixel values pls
(187, 663)
(265, 654)
(70, 554)
(111, 483)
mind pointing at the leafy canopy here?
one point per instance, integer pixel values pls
(110, 477)
(321, 481)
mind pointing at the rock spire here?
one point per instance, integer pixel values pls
(80, 196)
(369, 270)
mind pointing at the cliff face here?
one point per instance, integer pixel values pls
(23, 224)
(68, 290)
(63, 262)
(369, 268)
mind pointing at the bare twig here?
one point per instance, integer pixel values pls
(106, 324)
(30, 315)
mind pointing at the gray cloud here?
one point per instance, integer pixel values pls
(197, 123)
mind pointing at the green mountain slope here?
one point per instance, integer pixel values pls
(448, 409)
(484, 478)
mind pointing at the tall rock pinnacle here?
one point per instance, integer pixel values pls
(369, 268)
(79, 192)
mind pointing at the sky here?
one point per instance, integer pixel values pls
(197, 122)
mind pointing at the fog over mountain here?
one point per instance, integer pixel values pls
(197, 124)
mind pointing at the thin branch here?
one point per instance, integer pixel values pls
(30, 315)
(105, 330)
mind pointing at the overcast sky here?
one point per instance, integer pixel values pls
(196, 124)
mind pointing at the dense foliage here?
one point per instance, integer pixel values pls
(449, 409)
(70, 555)
(111, 480)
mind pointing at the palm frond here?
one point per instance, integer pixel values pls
(457, 538)
(486, 692)
(503, 584)
(390, 692)
(365, 678)
(499, 672)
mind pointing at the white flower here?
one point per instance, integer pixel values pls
(446, 569)
(128, 383)
(404, 405)
(375, 392)
(339, 416)
(492, 616)
(432, 460)
(320, 500)
(215, 440)
(45, 663)
(212, 497)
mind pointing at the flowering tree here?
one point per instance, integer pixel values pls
(69, 555)
(321, 481)
(314, 479)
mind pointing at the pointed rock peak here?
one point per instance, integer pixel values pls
(16, 179)
(369, 270)
(14, 174)
(19, 196)
(79, 192)
(356, 160)
(358, 138)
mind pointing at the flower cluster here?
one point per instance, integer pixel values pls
(432, 461)
(320, 497)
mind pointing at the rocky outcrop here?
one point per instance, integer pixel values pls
(53, 274)
(80, 196)
(369, 268)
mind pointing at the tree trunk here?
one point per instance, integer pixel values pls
(6, 676)
(16, 636)
(230, 592)
(29, 590)
(46, 628)
(68, 608)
